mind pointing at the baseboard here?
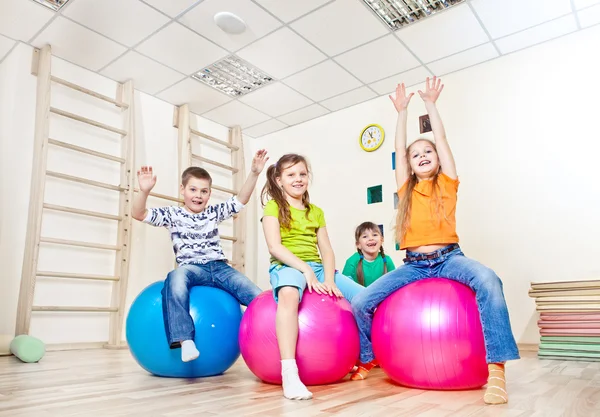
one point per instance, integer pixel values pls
(528, 347)
(121, 346)
(53, 347)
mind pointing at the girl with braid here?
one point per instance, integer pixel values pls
(370, 261)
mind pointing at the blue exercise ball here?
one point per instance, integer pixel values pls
(217, 316)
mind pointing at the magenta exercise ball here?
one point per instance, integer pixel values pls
(428, 335)
(328, 344)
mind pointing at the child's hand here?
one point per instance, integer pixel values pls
(401, 100)
(332, 289)
(313, 283)
(146, 179)
(432, 92)
(259, 161)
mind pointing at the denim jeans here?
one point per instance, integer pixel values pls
(176, 294)
(500, 344)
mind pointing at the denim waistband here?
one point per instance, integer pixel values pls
(417, 256)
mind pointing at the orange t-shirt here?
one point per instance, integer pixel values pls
(426, 226)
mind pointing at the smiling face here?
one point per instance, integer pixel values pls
(196, 194)
(369, 242)
(294, 180)
(423, 159)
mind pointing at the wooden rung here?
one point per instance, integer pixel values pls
(215, 163)
(82, 212)
(88, 121)
(89, 92)
(86, 150)
(76, 309)
(162, 196)
(78, 243)
(225, 190)
(76, 276)
(85, 181)
(225, 237)
(220, 142)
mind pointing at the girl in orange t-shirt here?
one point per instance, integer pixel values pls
(426, 227)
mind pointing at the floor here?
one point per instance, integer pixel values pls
(109, 383)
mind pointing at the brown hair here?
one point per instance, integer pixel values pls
(195, 172)
(405, 203)
(274, 191)
(363, 227)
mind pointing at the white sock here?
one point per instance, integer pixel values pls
(293, 388)
(189, 351)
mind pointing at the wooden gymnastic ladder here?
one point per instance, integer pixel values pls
(41, 67)
(181, 120)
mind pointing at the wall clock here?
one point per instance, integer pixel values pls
(371, 138)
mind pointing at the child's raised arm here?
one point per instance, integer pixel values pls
(401, 104)
(430, 96)
(258, 163)
(147, 181)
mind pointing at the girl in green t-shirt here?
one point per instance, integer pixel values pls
(301, 257)
(370, 261)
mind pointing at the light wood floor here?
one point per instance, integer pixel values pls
(109, 383)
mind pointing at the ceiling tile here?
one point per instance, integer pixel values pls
(125, 21)
(178, 47)
(454, 30)
(281, 53)
(21, 20)
(258, 22)
(463, 59)
(502, 18)
(265, 128)
(348, 99)
(582, 4)
(409, 78)
(5, 46)
(236, 113)
(378, 59)
(147, 75)
(288, 10)
(77, 44)
(537, 34)
(589, 16)
(322, 81)
(275, 99)
(304, 114)
(339, 26)
(171, 7)
(201, 98)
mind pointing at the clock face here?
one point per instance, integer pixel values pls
(371, 138)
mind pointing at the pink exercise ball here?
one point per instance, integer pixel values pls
(428, 335)
(327, 347)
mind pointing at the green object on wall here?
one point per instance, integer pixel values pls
(375, 194)
(27, 348)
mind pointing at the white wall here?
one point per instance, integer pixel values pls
(156, 144)
(523, 135)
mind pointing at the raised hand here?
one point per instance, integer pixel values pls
(401, 100)
(146, 179)
(432, 90)
(259, 161)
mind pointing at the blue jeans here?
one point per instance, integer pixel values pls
(500, 344)
(286, 276)
(176, 294)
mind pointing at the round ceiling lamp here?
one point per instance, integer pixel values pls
(230, 23)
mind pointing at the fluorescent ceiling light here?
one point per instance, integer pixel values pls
(399, 13)
(52, 4)
(233, 76)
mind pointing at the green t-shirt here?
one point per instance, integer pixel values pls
(301, 238)
(371, 270)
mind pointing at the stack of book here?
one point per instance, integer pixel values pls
(569, 319)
